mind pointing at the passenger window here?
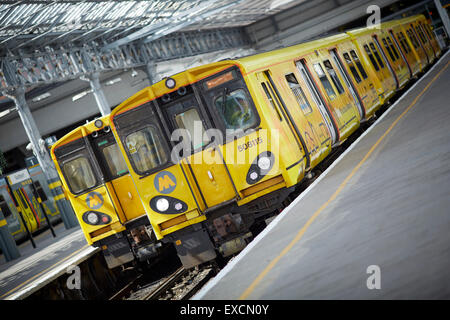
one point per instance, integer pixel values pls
(377, 55)
(79, 174)
(406, 42)
(412, 38)
(401, 39)
(334, 77)
(269, 97)
(145, 149)
(189, 120)
(115, 160)
(4, 208)
(372, 59)
(388, 49)
(235, 110)
(394, 50)
(298, 93)
(325, 82)
(421, 35)
(358, 64)
(352, 68)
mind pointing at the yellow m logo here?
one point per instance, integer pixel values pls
(165, 182)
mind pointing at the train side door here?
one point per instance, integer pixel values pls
(204, 161)
(316, 135)
(348, 83)
(403, 52)
(317, 99)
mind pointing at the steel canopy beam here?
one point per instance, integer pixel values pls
(171, 24)
(57, 65)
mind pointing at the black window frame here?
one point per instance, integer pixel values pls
(301, 91)
(351, 66)
(376, 54)
(210, 95)
(334, 77)
(388, 49)
(162, 166)
(393, 48)
(80, 154)
(139, 124)
(322, 81)
(359, 65)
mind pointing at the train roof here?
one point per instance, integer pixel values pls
(247, 64)
(80, 132)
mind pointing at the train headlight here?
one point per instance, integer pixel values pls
(92, 218)
(170, 83)
(162, 204)
(167, 205)
(264, 163)
(96, 218)
(260, 167)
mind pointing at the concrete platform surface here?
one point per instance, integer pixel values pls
(375, 225)
(37, 267)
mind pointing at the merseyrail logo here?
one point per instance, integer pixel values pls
(94, 200)
(165, 182)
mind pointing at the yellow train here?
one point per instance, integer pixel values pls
(21, 205)
(102, 193)
(217, 148)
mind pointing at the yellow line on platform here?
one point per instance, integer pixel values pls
(302, 231)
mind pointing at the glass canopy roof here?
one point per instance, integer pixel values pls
(25, 24)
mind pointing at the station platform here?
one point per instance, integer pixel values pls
(38, 266)
(374, 225)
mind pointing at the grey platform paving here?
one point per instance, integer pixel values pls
(36, 267)
(394, 213)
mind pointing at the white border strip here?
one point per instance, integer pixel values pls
(255, 241)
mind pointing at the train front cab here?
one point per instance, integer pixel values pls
(102, 193)
(222, 170)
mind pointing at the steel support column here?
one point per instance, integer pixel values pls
(100, 98)
(444, 16)
(7, 242)
(39, 149)
(150, 70)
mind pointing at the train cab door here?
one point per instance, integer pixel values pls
(118, 179)
(318, 100)
(202, 158)
(348, 83)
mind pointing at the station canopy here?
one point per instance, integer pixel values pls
(40, 23)
(43, 42)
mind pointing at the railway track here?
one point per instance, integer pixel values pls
(179, 285)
